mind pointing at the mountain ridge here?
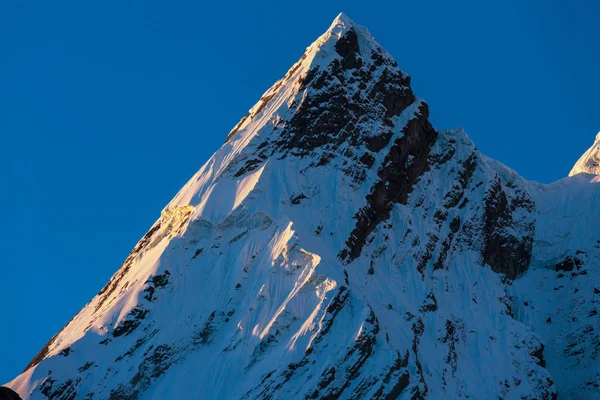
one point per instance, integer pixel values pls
(589, 162)
(416, 242)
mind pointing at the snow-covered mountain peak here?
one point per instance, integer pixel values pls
(589, 162)
(344, 46)
(357, 37)
(343, 19)
(342, 22)
(338, 246)
(346, 95)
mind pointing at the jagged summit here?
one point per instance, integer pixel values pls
(345, 44)
(338, 246)
(340, 26)
(341, 22)
(589, 162)
(343, 19)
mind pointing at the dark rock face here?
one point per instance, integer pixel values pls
(503, 251)
(8, 394)
(454, 196)
(397, 176)
(569, 263)
(151, 368)
(156, 282)
(348, 48)
(539, 355)
(341, 105)
(133, 320)
(53, 390)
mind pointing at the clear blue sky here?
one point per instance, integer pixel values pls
(107, 108)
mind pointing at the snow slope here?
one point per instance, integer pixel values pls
(589, 162)
(338, 246)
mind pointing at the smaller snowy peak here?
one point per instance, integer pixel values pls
(589, 162)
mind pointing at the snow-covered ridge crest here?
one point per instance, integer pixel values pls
(589, 162)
